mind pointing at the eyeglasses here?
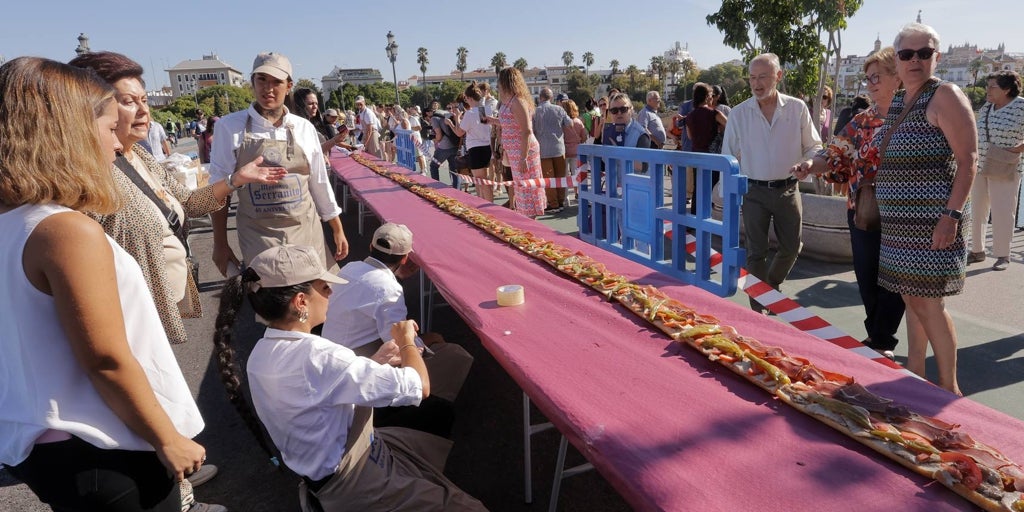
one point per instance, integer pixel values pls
(873, 79)
(618, 110)
(922, 53)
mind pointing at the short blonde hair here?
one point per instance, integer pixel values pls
(51, 149)
(571, 108)
(885, 58)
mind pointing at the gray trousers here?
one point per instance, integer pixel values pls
(762, 206)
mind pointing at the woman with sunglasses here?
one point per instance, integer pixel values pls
(846, 160)
(928, 161)
(621, 129)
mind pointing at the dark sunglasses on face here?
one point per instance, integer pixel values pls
(618, 110)
(922, 53)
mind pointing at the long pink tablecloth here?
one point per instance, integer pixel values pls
(667, 428)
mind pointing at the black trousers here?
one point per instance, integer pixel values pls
(884, 309)
(74, 475)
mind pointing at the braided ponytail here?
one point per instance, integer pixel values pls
(270, 303)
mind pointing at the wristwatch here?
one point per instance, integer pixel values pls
(953, 214)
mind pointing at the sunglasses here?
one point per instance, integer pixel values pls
(618, 110)
(922, 53)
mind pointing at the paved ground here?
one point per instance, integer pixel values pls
(487, 458)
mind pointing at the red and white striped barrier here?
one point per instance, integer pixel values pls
(793, 313)
(566, 182)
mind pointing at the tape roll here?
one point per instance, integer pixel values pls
(511, 295)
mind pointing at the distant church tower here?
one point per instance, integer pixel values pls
(83, 44)
(919, 16)
(878, 43)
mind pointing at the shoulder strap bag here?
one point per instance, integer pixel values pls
(866, 216)
(999, 162)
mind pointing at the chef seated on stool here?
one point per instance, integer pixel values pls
(314, 397)
(362, 313)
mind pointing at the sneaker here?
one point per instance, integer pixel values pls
(1001, 264)
(976, 257)
(205, 474)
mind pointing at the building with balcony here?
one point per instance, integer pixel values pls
(188, 76)
(357, 76)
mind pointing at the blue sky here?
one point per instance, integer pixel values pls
(316, 36)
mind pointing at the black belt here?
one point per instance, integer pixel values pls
(316, 485)
(785, 182)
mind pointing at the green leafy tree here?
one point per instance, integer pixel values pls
(614, 64)
(731, 77)
(422, 59)
(224, 99)
(184, 108)
(520, 64)
(580, 86)
(499, 61)
(633, 75)
(460, 62)
(976, 95)
(792, 29)
(309, 84)
(567, 58)
(588, 60)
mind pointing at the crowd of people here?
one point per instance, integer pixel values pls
(353, 400)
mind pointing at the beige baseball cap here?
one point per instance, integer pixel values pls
(393, 239)
(288, 265)
(331, 113)
(273, 64)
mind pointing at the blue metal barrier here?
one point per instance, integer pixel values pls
(623, 209)
(406, 149)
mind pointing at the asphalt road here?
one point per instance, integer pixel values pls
(487, 458)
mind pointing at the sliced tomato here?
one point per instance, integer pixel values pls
(969, 470)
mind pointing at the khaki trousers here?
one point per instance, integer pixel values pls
(763, 207)
(554, 168)
(998, 195)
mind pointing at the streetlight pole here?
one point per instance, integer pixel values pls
(392, 51)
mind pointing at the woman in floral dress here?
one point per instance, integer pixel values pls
(517, 139)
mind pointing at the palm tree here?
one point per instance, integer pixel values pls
(460, 62)
(687, 67)
(567, 58)
(658, 66)
(499, 61)
(422, 60)
(588, 60)
(633, 72)
(672, 67)
(520, 64)
(615, 66)
(975, 67)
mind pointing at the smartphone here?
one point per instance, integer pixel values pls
(483, 114)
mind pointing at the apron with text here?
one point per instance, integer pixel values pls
(283, 213)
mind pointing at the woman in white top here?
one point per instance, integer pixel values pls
(417, 138)
(474, 126)
(92, 392)
(315, 397)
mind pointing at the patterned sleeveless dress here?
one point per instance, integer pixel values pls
(530, 201)
(913, 184)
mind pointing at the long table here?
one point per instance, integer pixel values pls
(667, 428)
